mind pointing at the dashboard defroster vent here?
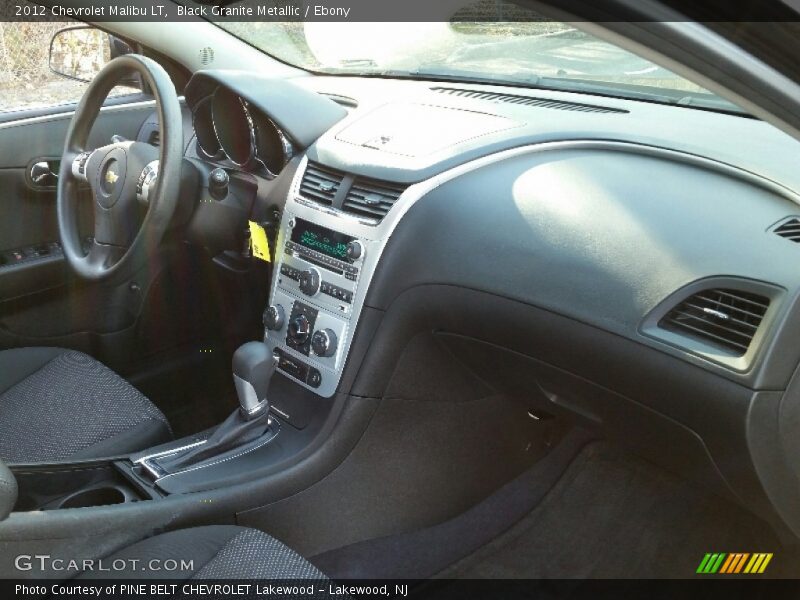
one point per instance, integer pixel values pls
(526, 100)
(320, 183)
(723, 317)
(789, 229)
(372, 198)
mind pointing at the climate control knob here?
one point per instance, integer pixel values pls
(309, 282)
(355, 250)
(323, 342)
(274, 318)
(299, 329)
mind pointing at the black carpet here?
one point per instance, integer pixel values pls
(587, 510)
(614, 516)
(423, 553)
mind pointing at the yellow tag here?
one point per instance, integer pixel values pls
(258, 242)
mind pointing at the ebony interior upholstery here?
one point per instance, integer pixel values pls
(58, 404)
(215, 552)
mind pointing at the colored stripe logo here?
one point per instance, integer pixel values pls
(734, 563)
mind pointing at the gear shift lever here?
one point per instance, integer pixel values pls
(253, 366)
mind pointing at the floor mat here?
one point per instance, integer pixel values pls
(614, 516)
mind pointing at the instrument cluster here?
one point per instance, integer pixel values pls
(229, 128)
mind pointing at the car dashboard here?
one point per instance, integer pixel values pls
(640, 277)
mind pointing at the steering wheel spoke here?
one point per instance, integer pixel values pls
(103, 256)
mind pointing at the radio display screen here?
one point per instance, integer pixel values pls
(330, 243)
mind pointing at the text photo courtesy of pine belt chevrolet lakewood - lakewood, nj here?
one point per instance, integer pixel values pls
(374, 299)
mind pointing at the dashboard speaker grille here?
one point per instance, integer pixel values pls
(372, 198)
(320, 183)
(527, 100)
(723, 317)
(789, 229)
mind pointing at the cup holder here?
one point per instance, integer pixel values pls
(100, 496)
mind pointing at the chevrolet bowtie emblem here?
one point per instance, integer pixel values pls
(111, 177)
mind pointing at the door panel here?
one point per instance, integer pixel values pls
(39, 298)
(28, 215)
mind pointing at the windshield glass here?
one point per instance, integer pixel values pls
(535, 54)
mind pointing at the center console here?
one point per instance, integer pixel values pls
(324, 262)
(310, 319)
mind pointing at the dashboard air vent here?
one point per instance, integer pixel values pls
(723, 317)
(154, 139)
(789, 229)
(372, 198)
(320, 183)
(527, 100)
(206, 55)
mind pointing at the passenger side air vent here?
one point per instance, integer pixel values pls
(526, 100)
(372, 198)
(789, 229)
(320, 183)
(723, 317)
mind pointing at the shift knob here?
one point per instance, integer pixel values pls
(253, 366)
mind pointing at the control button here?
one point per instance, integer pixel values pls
(309, 282)
(293, 367)
(355, 250)
(290, 272)
(274, 318)
(314, 378)
(337, 292)
(299, 329)
(218, 181)
(323, 343)
(350, 276)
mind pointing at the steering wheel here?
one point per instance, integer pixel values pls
(121, 176)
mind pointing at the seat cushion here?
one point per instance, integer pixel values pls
(213, 552)
(58, 404)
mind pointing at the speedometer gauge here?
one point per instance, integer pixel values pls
(233, 127)
(203, 125)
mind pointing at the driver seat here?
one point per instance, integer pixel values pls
(58, 405)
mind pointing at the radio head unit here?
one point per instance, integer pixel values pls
(322, 240)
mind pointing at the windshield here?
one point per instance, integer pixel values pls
(535, 54)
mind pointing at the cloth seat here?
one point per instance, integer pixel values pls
(213, 552)
(58, 404)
